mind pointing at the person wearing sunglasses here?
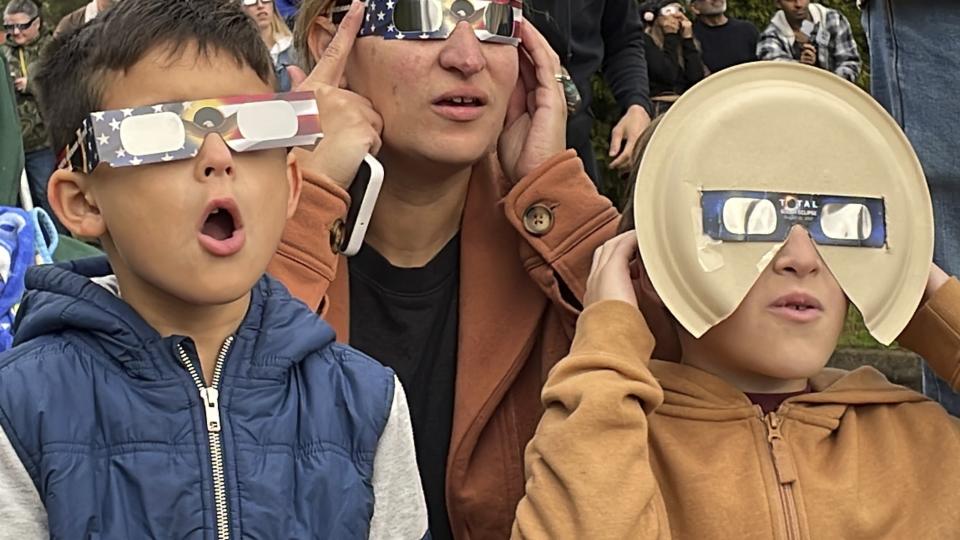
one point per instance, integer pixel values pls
(81, 16)
(277, 37)
(478, 249)
(25, 39)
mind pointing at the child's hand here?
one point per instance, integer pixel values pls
(610, 276)
(936, 280)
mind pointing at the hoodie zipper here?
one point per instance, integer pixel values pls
(210, 399)
(786, 474)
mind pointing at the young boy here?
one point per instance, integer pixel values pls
(172, 390)
(749, 435)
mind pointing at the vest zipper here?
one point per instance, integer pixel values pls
(786, 475)
(209, 398)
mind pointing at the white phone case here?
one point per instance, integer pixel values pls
(366, 207)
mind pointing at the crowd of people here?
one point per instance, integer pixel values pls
(496, 361)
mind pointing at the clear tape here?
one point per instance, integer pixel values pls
(708, 252)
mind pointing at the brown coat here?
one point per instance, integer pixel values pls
(634, 448)
(73, 20)
(515, 321)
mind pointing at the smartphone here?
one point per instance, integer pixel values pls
(363, 197)
(807, 28)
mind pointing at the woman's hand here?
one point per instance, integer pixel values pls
(536, 124)
(351, 127)
(686, 27)
(610, 276)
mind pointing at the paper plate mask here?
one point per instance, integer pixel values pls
(754, 150)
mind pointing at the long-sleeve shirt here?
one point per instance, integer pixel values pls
(667, 76)
(836, 49)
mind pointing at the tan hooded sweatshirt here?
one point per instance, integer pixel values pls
(633, 448)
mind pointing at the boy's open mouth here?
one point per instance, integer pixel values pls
(219, 224)
(221, 230)
(797, 306)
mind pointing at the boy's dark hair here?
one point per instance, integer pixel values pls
(627, 221)
(74, 66)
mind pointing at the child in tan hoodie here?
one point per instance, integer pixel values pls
(631, 447)
(749, 435)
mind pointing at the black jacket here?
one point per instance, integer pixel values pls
(593, 35)
(667, 76)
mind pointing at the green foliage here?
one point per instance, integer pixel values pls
(759, 12)
(54, 10)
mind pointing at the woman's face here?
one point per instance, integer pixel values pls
(443, 101)
(260, 11)
(28, 35)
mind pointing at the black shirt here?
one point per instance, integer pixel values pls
(667, 76)
(727, 45)
(407, 319)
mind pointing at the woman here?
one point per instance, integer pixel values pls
(478, 251)
(673, 56)
(278, 39)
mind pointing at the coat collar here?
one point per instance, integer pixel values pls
(690, 392)
(275, 333)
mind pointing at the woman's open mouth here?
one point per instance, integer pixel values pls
(221, 229)
(460, 106)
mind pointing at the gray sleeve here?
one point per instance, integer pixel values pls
(400, 511)
(22, 514)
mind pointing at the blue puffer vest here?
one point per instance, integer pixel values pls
(111, 427)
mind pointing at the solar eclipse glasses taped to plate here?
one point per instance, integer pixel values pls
(755, 216)
(175, 131)
(495, 21)
(752, 152)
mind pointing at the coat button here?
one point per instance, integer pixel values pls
(337, 230)
(538, 220)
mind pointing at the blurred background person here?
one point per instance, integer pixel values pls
(279, 39)
(914, 62)
(673, 56)
(81, 16)
(25, 37)
(812, 34)
(288, 10)
(724, 41)
(592, 36)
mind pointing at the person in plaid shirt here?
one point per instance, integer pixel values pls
(811, 34)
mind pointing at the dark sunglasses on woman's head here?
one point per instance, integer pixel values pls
(22, 27)
(255, 2)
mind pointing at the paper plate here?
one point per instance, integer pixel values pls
(789, 128)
